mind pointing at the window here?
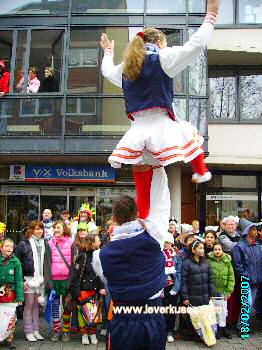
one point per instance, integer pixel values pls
(29, 7)
(250, 11)
(197, 6)
(167, 6)
(226, 12)
(242, 88)
(108, 6)
(222, 97)
(251, 96)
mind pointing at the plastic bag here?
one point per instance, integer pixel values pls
(8, 319)
(48, 309)
(204, 322)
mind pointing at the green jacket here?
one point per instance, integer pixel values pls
(11, 274)
(224, 273)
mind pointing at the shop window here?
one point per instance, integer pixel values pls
(251, 96)
(222, 204)
(107, 6)
(233, 181)
(222, 97)
(34, 7)
(197, 6)
(250, 11)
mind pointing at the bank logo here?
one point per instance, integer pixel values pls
(17, 172)
(42, 172)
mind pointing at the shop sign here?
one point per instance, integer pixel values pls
(231, 197)
(17, 172)
(69, 174)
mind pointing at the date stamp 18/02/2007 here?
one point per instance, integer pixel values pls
(245, 308)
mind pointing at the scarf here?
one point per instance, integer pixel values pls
(38, 280)
(151, 49)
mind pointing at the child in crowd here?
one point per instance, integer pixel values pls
(224, 283)
(197, 287)
(210, 240)
(31, 251)
(81, 234)
(85, 283)
(11, 281)
(2, 234)
(60, 255)
(146, 77)
(170, 293)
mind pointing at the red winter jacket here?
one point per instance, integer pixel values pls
(5, 83)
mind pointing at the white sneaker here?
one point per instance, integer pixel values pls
(30, 337)
(38, 336)
(85, 340)
(93, 339)
(198, 179)
(103, 332)
(170, 339)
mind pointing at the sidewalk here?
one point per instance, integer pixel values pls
(253, 343)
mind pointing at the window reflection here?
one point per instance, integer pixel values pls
(118, 6)
(45, 7)
(250, 11)
(222, 97)
(251, 97)
(226, 12)
(167, 6)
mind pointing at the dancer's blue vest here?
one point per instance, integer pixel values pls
(153, 88)
(134, 268)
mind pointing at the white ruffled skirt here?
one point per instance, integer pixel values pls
(154, 138)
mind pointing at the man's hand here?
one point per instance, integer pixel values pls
(106, 43)
(186, 302)
(212, 6)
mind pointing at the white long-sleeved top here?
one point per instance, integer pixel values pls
(172, 59)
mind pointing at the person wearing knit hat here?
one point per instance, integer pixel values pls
(4, 79)
(85, 214)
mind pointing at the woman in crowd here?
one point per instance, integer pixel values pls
(31, 251)
(224, 283)
(60, 255)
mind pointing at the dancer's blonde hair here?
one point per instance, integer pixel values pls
(135, 53)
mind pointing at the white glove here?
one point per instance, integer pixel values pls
(172, 292)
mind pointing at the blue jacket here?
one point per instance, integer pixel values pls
(153, 88)
(248, 259)
(129, 278)
(178, 259)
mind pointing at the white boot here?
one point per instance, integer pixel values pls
(38, 336)
(93, 339)
(85, 340)
(30, 337)
(201, 178)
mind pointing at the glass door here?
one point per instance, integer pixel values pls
(54, 199)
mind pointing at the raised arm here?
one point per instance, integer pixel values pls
(109, 70)
(176, 58)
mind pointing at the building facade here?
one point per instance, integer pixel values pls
(54, 143)
(235, 113)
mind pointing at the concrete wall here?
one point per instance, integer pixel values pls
(235, 144)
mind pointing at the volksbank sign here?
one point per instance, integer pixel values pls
(64, 174)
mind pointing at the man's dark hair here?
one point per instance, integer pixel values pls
(124, 209)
